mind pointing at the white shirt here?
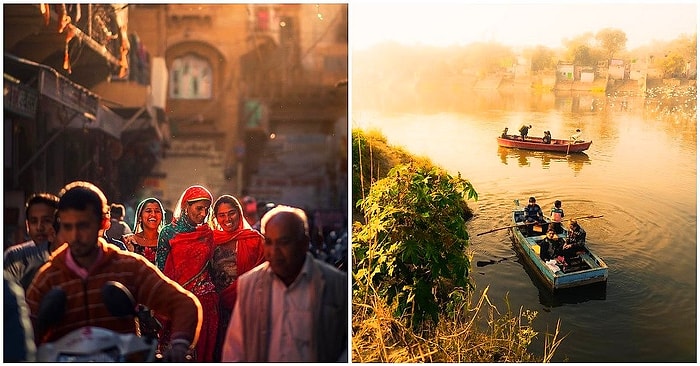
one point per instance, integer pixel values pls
(291, 322)
(292, 319)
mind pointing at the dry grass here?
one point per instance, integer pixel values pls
(378, 336)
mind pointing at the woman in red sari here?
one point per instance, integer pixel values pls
(185, 250)
(239, 248)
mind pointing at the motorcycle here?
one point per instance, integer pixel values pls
(96, 344)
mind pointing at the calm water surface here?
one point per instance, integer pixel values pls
(640, 173)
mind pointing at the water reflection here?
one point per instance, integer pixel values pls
(526, 157)
(644, 180)
(569, 296)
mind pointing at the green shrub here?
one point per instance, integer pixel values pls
(372, 158)
(412, 247)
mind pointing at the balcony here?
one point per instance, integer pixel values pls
(88, 48)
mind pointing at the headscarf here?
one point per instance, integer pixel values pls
(139, 211)
(249, 246)
(191, 194)
(243, 231)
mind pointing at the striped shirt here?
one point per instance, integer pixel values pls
(84, 304)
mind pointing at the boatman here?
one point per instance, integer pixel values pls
(533, 214)
(523, 130)
(576, 136)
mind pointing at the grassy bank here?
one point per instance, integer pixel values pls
(413, 299)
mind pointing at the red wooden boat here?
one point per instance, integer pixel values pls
(535, 143)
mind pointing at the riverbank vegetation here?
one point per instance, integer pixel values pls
(413, 300)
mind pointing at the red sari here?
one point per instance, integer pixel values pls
(188, 264)
(247, 244)
(236, 253)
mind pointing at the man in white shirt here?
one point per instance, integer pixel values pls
(576, 136)
(292, 308)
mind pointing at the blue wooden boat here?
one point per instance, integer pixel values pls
(584, 269)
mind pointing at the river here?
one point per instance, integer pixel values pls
(640, 173)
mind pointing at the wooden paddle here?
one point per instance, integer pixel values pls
(510, 226)
(536, 223)
(491, 261)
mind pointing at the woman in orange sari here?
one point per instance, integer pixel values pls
(239, 248)
(185, 250)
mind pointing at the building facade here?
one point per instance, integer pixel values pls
(151, 98)
(243, 79)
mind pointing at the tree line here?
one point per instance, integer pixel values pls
(396, 61)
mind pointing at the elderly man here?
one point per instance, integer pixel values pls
(292, 308)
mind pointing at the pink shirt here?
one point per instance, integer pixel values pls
(75, 267)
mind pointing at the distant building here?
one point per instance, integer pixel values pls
(616, 70)
(565, 71)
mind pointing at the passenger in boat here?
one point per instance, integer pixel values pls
(533, 214)
(523, 130)
(556, 214)
(547, 139)
(575, 240)
(576, 136)
(504, 134)
(551, 244)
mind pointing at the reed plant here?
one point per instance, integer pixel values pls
(476, 333)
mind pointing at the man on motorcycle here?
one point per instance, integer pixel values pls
(83, 265)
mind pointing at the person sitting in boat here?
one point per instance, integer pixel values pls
(551, 244)
(575, 240)
(504, 134)
(556, 214)
(533, 214)
(576, 136)
(523, 130)
(547, 139)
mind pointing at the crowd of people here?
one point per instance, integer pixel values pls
(222, 288)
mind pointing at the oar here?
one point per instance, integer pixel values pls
(584, 217)
(508, 227)
(491, 261)
(535, 223)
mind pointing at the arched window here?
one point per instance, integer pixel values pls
(190, 78)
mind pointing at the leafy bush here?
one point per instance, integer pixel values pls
(372, 158)
(412, 247)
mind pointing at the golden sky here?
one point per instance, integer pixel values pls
(515, 23)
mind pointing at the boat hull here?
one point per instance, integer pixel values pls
(593, 268)
(532, 143)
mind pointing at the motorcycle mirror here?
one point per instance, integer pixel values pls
(118, 299)
(52, 308)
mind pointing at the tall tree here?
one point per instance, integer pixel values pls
(542, 58)
(584, 56)
(611, 40)
(673, 65)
